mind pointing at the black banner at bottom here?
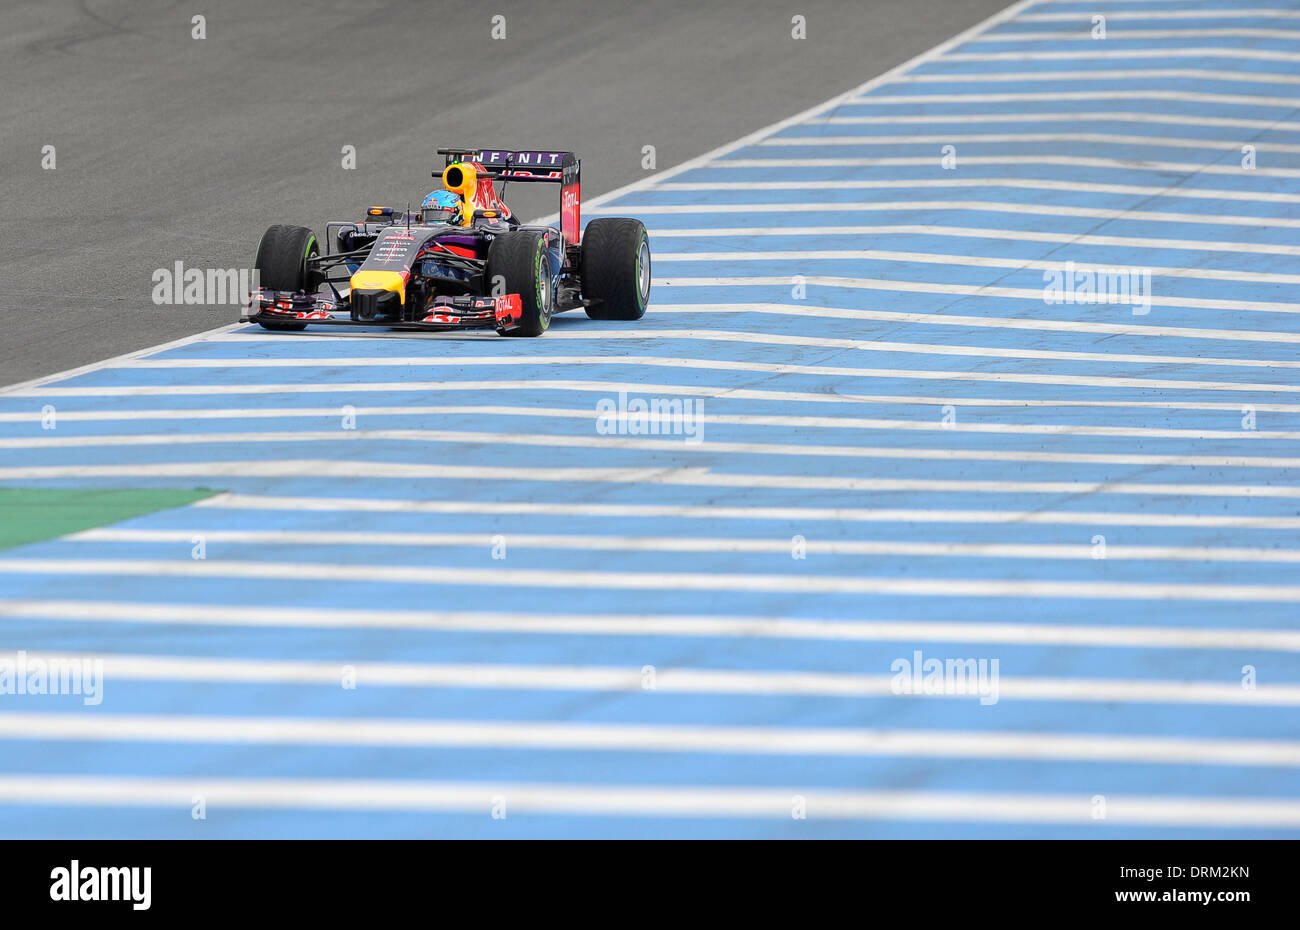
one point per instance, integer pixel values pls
(334, 879)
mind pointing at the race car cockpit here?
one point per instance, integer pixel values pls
(442, 206)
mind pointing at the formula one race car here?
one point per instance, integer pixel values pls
(462, 262)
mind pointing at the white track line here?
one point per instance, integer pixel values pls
(1100, 138)
(667, 680)
(981, 206)
(938, 258)
(698, 544)
(656, 581)
(1179, 96)
(1041, 184)
(1070, 161)
(1135, 3)
(937, 400)
(963, 232)
(1110, 74)
(604, 387)
(665, 422)
(662, 738)
(1084, 19)
(325, 469)
(799, 420)
(1088, 518)
(1084, 33)
(715, 448)
(977, 290)
(945, 319)
(1209, 51)
(366, 387)
(647, 334)
(593, 624)
(266, 413)
(603, 800)
(417, 361)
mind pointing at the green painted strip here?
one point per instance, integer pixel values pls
(32, 514)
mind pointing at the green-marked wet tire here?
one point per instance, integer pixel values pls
(281, 264)
(519, 260)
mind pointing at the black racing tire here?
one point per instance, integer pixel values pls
(520, 261)
(281, 264)
(616, 268)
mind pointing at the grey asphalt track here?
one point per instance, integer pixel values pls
(174, 149)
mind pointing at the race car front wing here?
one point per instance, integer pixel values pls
(503, 313)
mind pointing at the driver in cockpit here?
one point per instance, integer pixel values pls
(443, 207)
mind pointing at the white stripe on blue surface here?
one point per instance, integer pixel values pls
(638, 626)
(125, 667)
(407, 797)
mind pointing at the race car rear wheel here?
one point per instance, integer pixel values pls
(281, 264)
(517, 264)
(616, 268)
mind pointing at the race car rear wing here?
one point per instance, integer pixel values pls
(531, 166)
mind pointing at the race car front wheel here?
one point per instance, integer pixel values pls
(517, 264)
(615, 268)
(281, 264)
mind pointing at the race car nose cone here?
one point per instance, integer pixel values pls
(372, 303)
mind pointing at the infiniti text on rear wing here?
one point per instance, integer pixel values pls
(563, 168)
